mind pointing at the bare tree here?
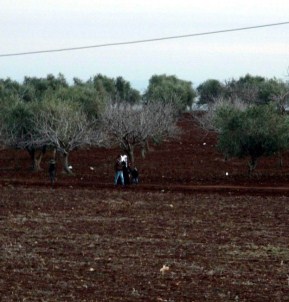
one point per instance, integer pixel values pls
(64, 128)
(130, 127)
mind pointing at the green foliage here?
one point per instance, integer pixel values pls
(104, 86)
(37, 88)
(48, 111)
(125, 93)
(170, 89)
(95, 91)
(9, 91)
(255, 132)
(17, 125)
(116, 90)
(209, 91)
(271, 88)
(92, 95)
(84, 95)
(255, 89)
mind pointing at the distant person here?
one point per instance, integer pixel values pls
(118, 169)
(52, 172)
(124, 159)
(134, 176)
(126, 172)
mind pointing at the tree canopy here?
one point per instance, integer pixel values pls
(248, 89)
(166, 88)
(209, 91)
(254, 132)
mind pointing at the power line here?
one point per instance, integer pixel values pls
(142, 41)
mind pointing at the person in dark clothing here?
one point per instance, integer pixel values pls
(126, 174)
(134, 176)
(52, 171)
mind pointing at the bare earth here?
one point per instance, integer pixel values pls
(187, 232)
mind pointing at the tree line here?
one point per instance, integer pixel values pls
(48, 113)
(248, 114)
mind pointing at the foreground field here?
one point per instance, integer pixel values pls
(196, 228)
(85, 245)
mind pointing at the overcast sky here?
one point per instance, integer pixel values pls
(34, 25)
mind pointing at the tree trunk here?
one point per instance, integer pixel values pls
(37, 160)
(145, 148)
(65, 164)
(131, 154)
(36, 156)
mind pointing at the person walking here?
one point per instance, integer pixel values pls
(118, 169)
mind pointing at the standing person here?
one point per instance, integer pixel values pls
(124, 159)
(118, 168)
(126, 173)
(52, 171)
(134, 176)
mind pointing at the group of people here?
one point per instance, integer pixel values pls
(124, 173)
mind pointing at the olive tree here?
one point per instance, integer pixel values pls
(254, 132)
(117, 90)
(17, 129)
(130, 127)
(254, 89)
(209, 91)
(206, 119)
(164, 88)
(15, 124)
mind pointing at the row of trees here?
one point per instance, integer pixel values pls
(48, 113)
(249, 116)
(249, 89)
(99, 87)
(248, 130)
(40, 113)
(65, 125)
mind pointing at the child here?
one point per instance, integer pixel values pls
(134, 176)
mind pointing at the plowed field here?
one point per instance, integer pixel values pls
(196, 228)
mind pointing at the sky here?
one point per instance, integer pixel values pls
(34, 25)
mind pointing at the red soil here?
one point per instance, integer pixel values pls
(191, 163)
(221, 237)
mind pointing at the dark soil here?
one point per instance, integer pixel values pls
(187, 232)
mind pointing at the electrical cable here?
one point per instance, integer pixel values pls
(143, 41)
